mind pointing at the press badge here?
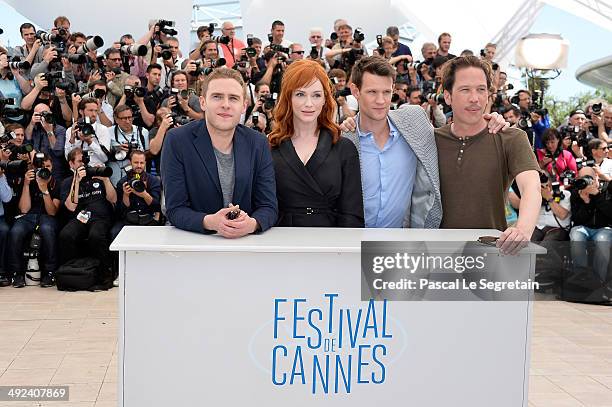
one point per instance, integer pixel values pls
(84, 216)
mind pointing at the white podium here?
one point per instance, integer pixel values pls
(206, 321)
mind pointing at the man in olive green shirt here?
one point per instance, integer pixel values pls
(476, 168)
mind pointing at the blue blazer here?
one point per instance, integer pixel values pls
(191, 179)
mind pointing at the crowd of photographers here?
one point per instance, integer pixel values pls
(83, 127)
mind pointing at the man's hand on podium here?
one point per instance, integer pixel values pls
(241, 226)
(512, 240)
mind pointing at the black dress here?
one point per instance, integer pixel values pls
(326, 192)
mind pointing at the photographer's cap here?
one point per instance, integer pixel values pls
(577, 111)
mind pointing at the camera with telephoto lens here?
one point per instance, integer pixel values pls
(137, 50)
(50, 76)
(46, 116)
(279, 48)
(91, 44)
(6, 101)
(46, 37)
(121, 155)
(221, 39)
(94, 171)
(581, 183)
(583, 162)
(166, 54)
(39, 165)
(16, 63)
(96, 94)
(269, 101)
(22, 149)
(135, 181)
(342, 93)
(501, 96)
(200, 70)
(131, 91)
(575, 134)
(14, 167)
(436, 97)
(180, 119)
(85, 127)
(165, 26)
(567, 177)
(76, 58)
(596, 109)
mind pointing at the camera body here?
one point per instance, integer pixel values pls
(358, 35)
(131, 91)
(85, 127)
(39, 166)
(279, 48)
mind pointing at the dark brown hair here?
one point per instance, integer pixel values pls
(451, 67)
(375, 65)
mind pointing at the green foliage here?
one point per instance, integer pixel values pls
(559, 110)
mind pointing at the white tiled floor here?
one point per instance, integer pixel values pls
(59, 338)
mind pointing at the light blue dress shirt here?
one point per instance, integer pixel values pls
(388, 178)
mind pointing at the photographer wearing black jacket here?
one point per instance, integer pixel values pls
(39, 202)
(89, 197)
(591, 203)
(138, 196)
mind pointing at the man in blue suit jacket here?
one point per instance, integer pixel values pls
(208, 164)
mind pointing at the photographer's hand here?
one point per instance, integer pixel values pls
(95, 76)
(110, 75)
(80, 173)
(49, 54)
(40, 82)
(43, 184)
(127, 189)
(546, 192)
(30, 175)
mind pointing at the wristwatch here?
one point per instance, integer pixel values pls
(45, 192)
(50, 134)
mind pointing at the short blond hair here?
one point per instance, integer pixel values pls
(223, 73)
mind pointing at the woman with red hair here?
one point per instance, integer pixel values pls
(318, 178)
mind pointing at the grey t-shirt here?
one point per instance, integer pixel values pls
(225, 166)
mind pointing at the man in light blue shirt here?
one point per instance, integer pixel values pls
(384, 192)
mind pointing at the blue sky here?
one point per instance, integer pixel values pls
(587, 42)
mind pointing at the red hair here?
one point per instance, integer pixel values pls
(300, 74)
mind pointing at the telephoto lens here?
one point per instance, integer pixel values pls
(16, 63)
(14, 166)
(99, 171)
(136, 183)
(92, 44)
